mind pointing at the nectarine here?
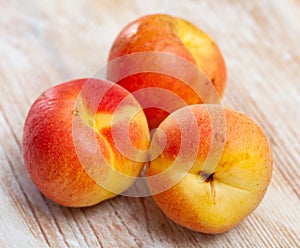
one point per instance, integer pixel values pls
(166, 34)
(71, 143)
(193, 191)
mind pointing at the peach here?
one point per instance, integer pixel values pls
(71, 142)
(166, 34)
(214, 168)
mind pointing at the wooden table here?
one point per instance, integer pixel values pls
(43, 43)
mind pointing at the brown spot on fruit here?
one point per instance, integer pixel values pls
(207, 176)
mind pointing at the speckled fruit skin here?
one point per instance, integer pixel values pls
(164, 33)
(236, 185)
(49, 152)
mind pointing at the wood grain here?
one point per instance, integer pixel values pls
(43, 43)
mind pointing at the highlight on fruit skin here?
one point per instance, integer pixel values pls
(209, 198)
(172, 35)
(69, 146)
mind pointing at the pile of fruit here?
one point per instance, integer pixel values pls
(88, 140)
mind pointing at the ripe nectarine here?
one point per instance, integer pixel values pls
(193, 191)
(71, 143)
(166, 34)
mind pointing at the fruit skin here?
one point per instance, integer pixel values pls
(236, 185)
(49, 152)
(164, 33)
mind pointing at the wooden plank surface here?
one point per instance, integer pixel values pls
(43, 43)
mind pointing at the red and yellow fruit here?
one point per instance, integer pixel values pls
(215, 197)
(67, 115)
(166, 34)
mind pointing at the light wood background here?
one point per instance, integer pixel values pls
(43, 43)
